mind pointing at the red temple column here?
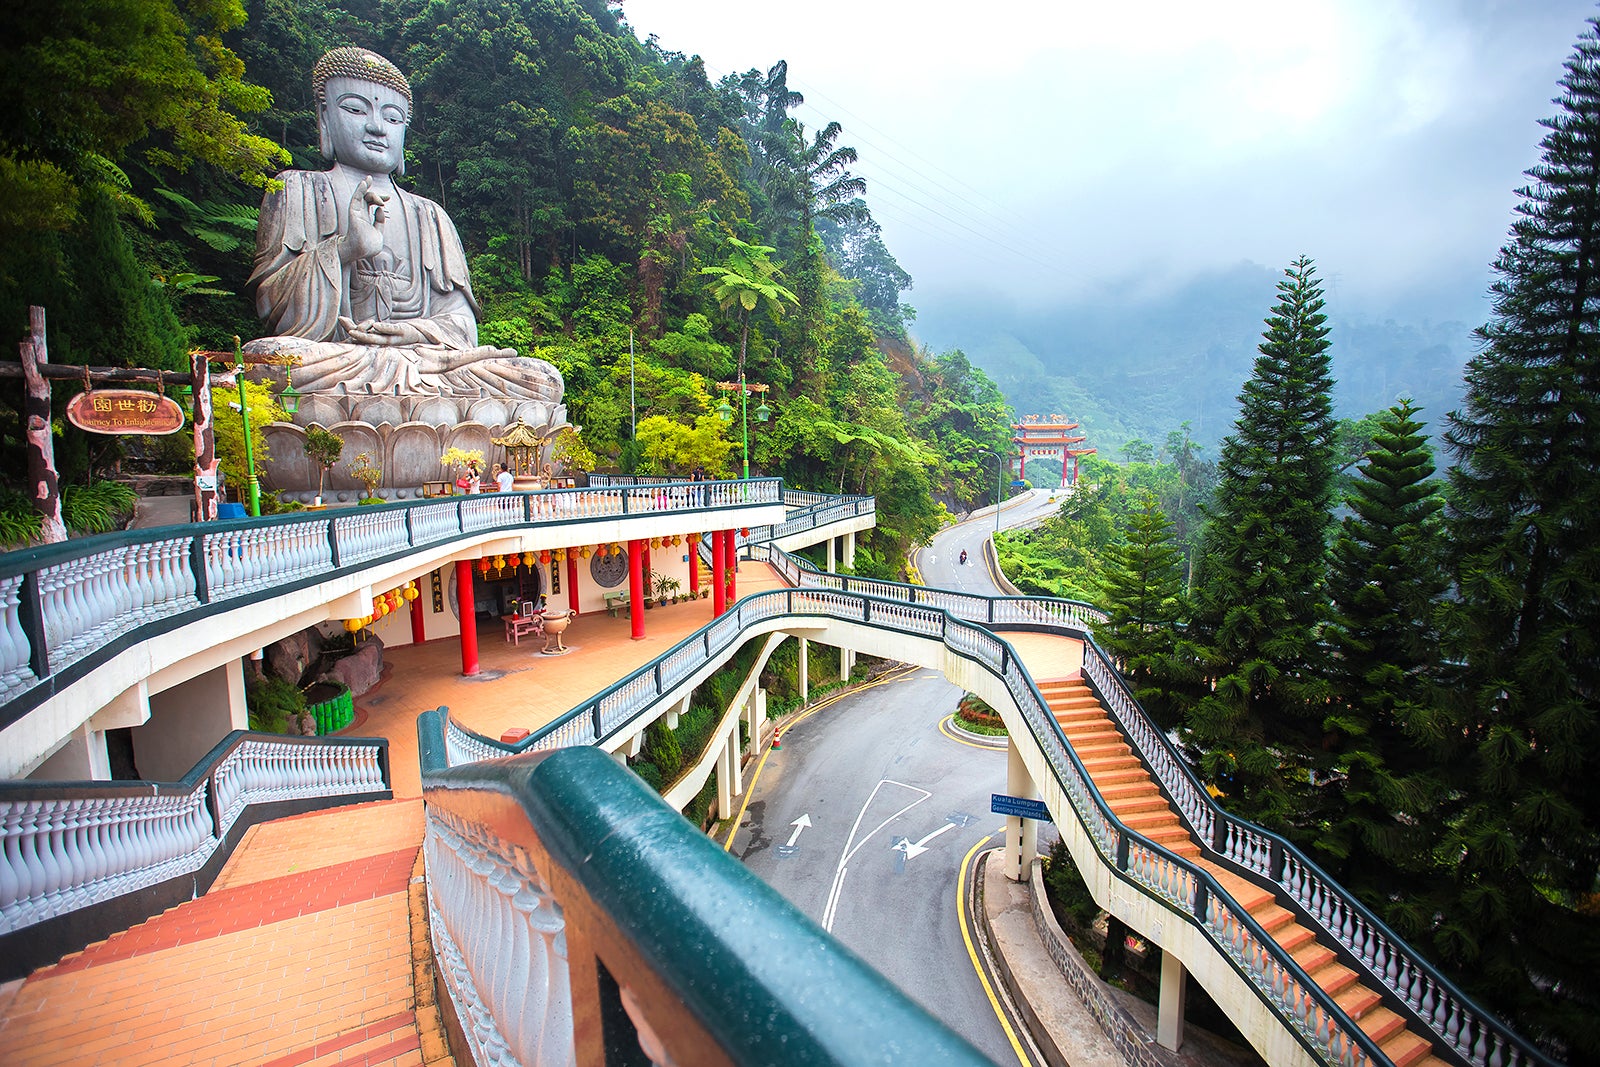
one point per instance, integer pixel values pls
(572, 579)
(636, 588)
(731, 555)
(419, 632)
(469, 617)
(694, 567)
(719, 576)
(1022, 465)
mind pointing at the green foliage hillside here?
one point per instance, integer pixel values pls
(594, 179)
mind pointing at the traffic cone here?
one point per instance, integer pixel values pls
(777, 740)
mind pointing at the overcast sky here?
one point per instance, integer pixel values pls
(1065, 150)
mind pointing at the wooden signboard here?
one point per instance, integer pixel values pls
(124, 411)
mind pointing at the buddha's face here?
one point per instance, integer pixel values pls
(365, 123)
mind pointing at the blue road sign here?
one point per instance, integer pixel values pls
(1002, 804)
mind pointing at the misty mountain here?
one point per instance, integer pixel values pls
(1130, 366)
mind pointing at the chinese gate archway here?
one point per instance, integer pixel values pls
(1049, 437)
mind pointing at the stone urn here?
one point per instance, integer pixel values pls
(555, 624)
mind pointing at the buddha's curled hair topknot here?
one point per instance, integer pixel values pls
(353, 62)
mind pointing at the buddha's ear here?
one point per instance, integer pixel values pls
(400, 168)
(324, 138)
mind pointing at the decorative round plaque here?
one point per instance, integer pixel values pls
(610, 570)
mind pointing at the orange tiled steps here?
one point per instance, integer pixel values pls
(301, 954)
(1136, 800)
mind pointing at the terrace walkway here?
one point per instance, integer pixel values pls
(303, 952)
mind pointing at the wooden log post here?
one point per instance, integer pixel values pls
(205, 443)
(44, 484)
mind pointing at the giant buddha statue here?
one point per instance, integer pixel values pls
(364, 284)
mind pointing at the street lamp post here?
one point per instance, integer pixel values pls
(726, 411)
(999, 467)
(291, 404)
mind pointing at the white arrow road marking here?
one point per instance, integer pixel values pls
(832, 907)
(799, 824)
(912, 850)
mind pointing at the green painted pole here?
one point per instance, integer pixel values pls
(244, 413)
(744, 419)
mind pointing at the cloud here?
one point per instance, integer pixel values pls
(1053, 151)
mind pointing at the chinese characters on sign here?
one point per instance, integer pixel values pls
(124, 411)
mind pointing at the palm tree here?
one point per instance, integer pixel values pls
(746, 279)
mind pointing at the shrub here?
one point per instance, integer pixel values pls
(976, 715)
(272, 702)
(19, 522)
(1067, 892)
(663, 748)
(98, 508)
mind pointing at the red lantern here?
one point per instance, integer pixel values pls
(694, 539)
(483, 566)
(544, 557)
(600, 550)
(744, 531)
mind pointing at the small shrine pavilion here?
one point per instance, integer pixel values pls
(1049, 437)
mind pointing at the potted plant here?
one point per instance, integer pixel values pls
(665, 587)
(369, 474)
(323, 447)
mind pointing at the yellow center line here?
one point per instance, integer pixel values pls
(972, 952)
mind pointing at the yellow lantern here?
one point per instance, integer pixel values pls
(411, 591)
(351, 626)
(527, 558)
(677, 539)
(560, 555)
(499, 563)
(694, 539)
(583, 553)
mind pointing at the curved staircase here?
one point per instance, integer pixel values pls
(1136, 800)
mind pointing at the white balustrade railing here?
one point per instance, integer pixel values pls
(72, 846)
(499, 939)
(1185, 887)
(75, 604)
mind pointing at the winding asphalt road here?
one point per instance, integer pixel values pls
(866, 814)
(863, 818)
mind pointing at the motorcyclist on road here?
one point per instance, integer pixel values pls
(963, 555)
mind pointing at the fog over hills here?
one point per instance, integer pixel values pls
(1136, 366)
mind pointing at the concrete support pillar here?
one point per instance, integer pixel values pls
(830, 564)
(419, 628)
(1174, 995)
(187, 720)
(850, 551)
(805, 674)
(1022, 835)
(847, 663)
(679, 709)
(725, 790)
(636, 588)
(755, 711)
(735, 763)
(82, 758)
(635, 744)
(469, 617)
(572, 580)
(719, 575)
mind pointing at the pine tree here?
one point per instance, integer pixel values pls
(1524, 537)
(1260, 591)
(1141, 592)
(1378, 789)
